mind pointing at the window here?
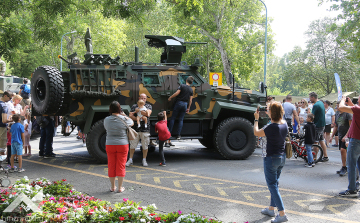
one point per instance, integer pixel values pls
(151, 79)
(183, 76)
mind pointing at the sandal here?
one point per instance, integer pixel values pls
(112, 190)
(122, 189)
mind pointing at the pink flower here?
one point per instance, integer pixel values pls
(91, 211)
(158, 219)
(121, 218)
(140, 208)
(51, 198)
(125, 199)
(179, 212)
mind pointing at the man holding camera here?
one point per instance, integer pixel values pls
(353, 150)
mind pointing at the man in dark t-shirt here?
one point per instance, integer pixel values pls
(184, 96)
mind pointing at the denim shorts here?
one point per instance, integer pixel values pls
(16, 148)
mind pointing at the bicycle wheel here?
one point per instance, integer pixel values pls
(317, 152)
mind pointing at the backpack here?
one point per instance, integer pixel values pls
(42, 121)
(25, 92)
(26, 89)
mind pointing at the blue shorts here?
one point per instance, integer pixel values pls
(68, 123)
(16, 148)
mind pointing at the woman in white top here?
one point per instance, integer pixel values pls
(303, 109)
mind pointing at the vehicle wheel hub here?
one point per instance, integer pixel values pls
(237, 140)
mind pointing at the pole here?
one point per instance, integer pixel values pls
(265, 42)
(61, 47)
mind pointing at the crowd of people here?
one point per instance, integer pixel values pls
(15, 126)
(317, 121)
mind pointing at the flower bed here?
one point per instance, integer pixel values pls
(62, 203)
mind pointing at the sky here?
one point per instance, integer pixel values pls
(291, 19)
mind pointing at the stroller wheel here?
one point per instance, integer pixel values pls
(5, 182)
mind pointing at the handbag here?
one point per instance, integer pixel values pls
(131, 133)
(288, 147)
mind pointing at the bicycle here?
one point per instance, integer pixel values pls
(299, 150)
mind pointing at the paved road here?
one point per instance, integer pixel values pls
(201, 181)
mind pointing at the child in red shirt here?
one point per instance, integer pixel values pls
(164, 134)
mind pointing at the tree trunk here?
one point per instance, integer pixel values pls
(225, 62)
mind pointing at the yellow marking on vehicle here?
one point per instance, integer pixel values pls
(73, 86)
(194, 94)
(138, 176)
(306, 214)
(196, 110)
(79, 111)
(107, 66)
(157, 179)
(108, 91)
(169, 72)
(177, 182)
(221, 190)
(102, 83)
(301, 202)
(199, 186)
(238, 94)
(98, 102)
(333, 210)
(117, 83)
(144, 90)
(79, 81)
(125, 93)
(223, 92)
(64, 163)
(211, 106)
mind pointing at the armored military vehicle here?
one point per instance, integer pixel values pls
(220, 117)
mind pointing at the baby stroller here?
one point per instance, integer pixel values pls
(4, 181)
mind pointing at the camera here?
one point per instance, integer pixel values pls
(347, 100)
(262, 109)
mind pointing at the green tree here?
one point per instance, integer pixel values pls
(314, 67)
(350, 29)
(234, 28)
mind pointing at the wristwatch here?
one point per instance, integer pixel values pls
(256, 120)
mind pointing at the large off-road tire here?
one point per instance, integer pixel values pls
(47, 90)
(234, 138)
(208, 141)
(95, 142)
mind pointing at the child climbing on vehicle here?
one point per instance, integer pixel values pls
(164, 134)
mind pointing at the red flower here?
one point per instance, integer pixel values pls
(152, 214)
(157, 218)
(63, 179)
(121, 218)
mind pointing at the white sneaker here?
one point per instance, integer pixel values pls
(139, 125)
(145, 125)
(129, 162)
(144, 163)
(84, 144)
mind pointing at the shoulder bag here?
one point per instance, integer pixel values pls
(288, 146)
(131, 133)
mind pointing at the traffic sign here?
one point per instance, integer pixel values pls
(215, 78)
